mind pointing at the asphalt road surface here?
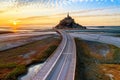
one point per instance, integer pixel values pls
(60, 66)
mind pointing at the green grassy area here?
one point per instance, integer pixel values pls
(20, 69)
(15, 66)
(9, 65)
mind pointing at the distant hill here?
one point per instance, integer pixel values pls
(68, 22)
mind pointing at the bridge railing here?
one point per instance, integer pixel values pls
(50, 62)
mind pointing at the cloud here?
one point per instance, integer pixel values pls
(98, 11)
(2, 11)
(52, 11)
(103, 15)
(34, 18)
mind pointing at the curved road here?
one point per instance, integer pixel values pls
(61, 65)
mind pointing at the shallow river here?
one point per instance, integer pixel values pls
(32, 71)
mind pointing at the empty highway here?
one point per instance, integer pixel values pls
(61, 65)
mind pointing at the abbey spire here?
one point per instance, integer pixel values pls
(68, 15)
(68, 22)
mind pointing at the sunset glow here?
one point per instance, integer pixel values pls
(47, 13)
(14, 23)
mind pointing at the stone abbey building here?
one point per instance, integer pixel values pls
(68, 22)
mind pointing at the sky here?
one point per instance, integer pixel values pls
(48, 13)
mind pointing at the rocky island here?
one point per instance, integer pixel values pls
(68, 22)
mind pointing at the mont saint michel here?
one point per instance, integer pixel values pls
(68, 22)
(40, 40)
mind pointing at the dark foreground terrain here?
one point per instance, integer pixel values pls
(97, 61)
(5, 32)
(14, 62)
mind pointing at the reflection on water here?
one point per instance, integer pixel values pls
(32, 71)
